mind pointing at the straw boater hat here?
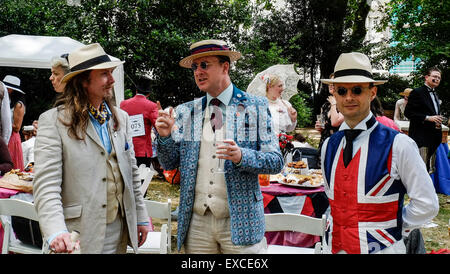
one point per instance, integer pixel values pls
(207, 48)
(406, 92)
(87, 58)
(12, 82)
(353, 67)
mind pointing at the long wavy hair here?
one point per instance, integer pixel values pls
(74, 100)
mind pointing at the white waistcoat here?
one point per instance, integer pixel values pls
(210, 187)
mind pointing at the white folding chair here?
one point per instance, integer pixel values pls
(158, 242)
(296, 223)
(19, 208)
(147, 175)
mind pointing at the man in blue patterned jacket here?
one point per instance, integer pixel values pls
(219, 212)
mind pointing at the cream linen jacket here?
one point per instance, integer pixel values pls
(70, 180)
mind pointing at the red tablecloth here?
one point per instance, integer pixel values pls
(290, 200)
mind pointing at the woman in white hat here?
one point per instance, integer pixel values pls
(12, 83)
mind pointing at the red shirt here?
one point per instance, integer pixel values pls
(139, 104)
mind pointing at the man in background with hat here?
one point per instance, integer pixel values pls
(219, 212)
(423, 111)
(400, 105)
(86, 176)
(368, 168)
(143, 114)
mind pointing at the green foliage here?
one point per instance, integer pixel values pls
(420, 30)
(304, 112)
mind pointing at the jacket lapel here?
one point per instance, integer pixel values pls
(90, 131)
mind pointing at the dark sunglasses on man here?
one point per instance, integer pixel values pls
(356, 90)
(204, 65)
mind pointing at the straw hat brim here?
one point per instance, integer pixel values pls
(187, 61)
(106, 65)
(353, 79)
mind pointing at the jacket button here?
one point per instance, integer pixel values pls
(103, 205)
(102, 153)
(104, 179)
(211, 182)
(209, 195)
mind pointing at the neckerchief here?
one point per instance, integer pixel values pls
(99, 115)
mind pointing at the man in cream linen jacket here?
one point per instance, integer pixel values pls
(88, 182)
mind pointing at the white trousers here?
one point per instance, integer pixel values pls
(210, 235)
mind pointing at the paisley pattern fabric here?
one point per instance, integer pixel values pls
(248, 123)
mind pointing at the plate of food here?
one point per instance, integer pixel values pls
(299, 180)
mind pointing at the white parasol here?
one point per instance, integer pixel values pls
(286, 73)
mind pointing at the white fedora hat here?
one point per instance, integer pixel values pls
(87, 58)
(207, 48)
(12, 82)
(353, 67)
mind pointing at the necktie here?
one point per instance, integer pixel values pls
(100, 114)
(216, 115)
(350, 135)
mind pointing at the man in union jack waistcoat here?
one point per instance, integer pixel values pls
(368, 168)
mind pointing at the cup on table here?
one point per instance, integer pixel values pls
(264, 179)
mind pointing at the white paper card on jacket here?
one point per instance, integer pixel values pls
(137, 125)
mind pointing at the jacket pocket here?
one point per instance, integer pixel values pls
(71, 212)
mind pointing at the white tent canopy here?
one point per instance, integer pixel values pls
(30, 51)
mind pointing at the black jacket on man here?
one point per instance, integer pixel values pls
(418, 107)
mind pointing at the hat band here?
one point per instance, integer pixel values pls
(211, 47)
(352, 72)
(11, 85)
(91, 62)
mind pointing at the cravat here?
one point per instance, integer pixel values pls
(99, 115)
(216, 114)
(350, 135)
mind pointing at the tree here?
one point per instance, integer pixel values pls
(312, 34)
(420, 31)
(151, 36)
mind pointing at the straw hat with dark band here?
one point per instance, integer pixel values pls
(87, 58)
(208, 48)
(353, 67)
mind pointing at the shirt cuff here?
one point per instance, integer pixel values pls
(53, 236)
(143, 223)
(163, 140)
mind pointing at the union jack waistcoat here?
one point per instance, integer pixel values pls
(366, 203)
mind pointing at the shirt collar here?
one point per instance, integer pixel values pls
(361, 125)
(224, 96)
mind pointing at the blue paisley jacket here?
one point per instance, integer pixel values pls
(248, 122)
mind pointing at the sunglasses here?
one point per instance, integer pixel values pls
(203, 65)
(357, 90)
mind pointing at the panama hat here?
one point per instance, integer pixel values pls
(406, 92)
(353, 67)
(87, 58)
(12, 82)
(207, 48)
